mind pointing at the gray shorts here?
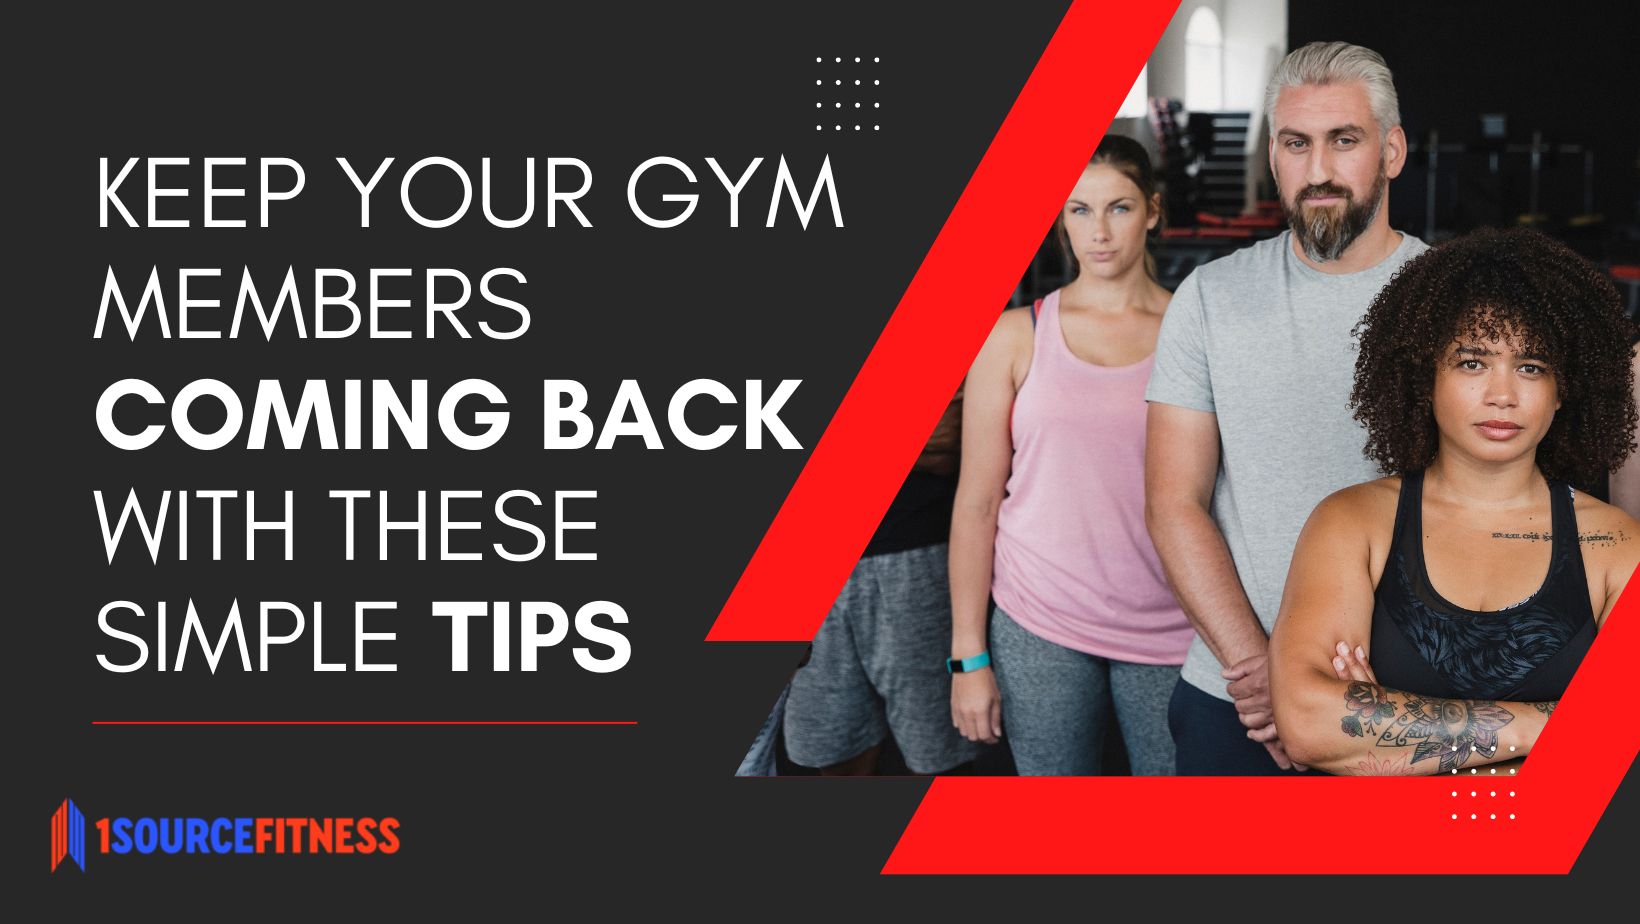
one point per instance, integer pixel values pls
(878, 667)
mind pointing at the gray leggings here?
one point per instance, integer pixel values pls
(1057, 703)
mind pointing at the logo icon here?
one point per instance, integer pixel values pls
(67, 835)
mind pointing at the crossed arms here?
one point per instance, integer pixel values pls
(1333, 713)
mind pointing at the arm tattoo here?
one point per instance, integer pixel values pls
(1547, 708)
(1449, 730)
(1368, 706)
(1372, 766)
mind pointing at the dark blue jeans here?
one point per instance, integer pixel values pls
(1209, 739)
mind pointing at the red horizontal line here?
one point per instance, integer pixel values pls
(353, 722)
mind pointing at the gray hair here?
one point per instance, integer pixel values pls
(1321, 63)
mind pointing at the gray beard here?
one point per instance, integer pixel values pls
(1325, 237)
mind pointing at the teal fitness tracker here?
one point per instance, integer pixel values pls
(953, 666)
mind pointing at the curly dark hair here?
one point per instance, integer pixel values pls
(1508, 285)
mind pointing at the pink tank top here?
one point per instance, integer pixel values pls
(1074, 563)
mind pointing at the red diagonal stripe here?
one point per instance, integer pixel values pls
(1585, 751)
(943, 318)
(1231, 825)
(1284, 825)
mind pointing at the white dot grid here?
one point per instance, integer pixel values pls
(1491, 816)
(838, 83)
(1475, 793)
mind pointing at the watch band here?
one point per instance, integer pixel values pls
(954, 666)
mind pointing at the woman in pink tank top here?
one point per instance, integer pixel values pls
(1053, 575)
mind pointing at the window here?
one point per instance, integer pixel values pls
(1138, 99)
(1204, 62)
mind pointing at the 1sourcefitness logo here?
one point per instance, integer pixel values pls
(148, 835)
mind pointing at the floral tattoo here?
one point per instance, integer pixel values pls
(1368, 706)
(1372, 766)
(1449, 730)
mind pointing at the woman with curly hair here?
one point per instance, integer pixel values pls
(1433, 618)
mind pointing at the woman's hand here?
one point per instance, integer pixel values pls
(1351, 664)
(976, 705)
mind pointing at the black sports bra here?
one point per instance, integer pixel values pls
(1422, 643)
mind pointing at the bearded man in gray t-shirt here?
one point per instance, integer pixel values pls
(1249, 424)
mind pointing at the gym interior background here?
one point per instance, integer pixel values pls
(1515, 115)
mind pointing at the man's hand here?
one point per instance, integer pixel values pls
(1348, 664)
(976, 705)
(1248, 683)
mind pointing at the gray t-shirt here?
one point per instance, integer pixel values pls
(1263, 340)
